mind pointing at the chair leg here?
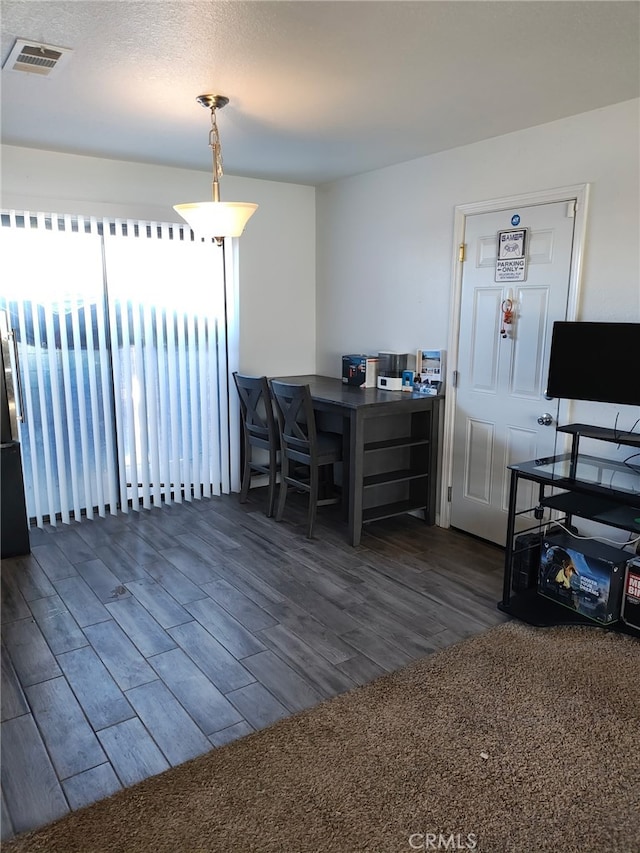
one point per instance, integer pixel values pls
(273, 473)
(246, 474)
(314, 484)
(282, 495)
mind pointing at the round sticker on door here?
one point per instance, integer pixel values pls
(515, 219)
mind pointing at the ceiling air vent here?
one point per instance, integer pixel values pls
(34, 58)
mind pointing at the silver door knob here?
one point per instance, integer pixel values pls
(546, 419)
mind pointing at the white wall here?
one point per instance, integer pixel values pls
(276, 252)
(385, 239)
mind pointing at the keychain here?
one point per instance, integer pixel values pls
(507, 316)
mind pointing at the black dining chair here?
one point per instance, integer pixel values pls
(307, 454)
(259, 431)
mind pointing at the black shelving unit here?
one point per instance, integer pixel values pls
(576, 485)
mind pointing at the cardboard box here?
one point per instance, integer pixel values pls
(631, 598)
(360, 370)
(583, 575)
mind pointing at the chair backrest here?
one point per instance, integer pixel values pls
(296, 417)
(256, 407)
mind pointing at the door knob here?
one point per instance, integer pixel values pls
(546, 419)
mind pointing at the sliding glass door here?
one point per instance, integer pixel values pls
(166, 319)
(122, 342)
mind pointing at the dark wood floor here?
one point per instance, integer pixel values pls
(133, 643)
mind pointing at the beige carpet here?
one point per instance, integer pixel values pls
(522, 740)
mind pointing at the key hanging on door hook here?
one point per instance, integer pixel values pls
(507, 315)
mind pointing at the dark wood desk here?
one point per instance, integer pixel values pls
(391, 447)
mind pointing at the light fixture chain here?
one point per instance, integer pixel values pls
(216, 150)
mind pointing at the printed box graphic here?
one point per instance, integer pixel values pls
(360, 370)
(585, 576)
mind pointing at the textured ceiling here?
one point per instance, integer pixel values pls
(318, 90)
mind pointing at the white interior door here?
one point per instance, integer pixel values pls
(501, 379)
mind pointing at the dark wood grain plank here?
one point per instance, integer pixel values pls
(53, 562)
(13, 604)
(157, 601)
(239, 605)
(360, 669)
(138, 549)
(58, 626)
(91, 785)
(227, 630)
(86, 607)
(325, 641)
(315, 603)
(211, 657)
(195, 567)
(73, 546)
(257, 705)
(387, 655)
(132, 753)
(32, 793)
(102, 700)
(174, 581)
(13, 702)
(32, 581)
(230, 734)
(322, 675)
(200, 698)
(140, 626)
(96, 531)
(172, 519)
(119, 562)
(61, 722)
(212, 530)
(323, 581)
(29, 652)
(116, 651)
(6, 827)
(290, 688)
(154, 534)
(168, 723)
(248, 580)
(105, 585)
(386, 624)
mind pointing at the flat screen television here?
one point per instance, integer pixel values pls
(595, 361)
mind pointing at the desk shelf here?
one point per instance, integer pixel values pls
(389, 444)
(402, 476)
(380, 511)
(399, 464)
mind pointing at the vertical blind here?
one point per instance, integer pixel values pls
(122, 340)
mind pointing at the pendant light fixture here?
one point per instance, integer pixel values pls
(218, 219)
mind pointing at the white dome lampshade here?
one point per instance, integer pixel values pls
(216, 218)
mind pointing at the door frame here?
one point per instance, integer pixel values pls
(579, 193)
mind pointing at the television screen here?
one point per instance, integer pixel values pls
(595, 361)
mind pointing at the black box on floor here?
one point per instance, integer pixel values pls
(584, 575)
(631, 596)
(526, 561)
